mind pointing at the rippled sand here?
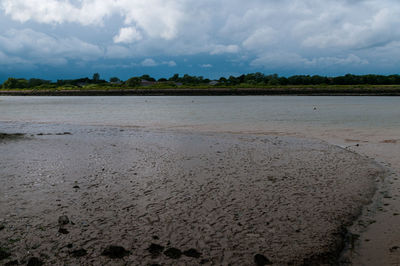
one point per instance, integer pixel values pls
(227, 196)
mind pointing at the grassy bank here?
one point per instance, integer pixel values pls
(242, 89)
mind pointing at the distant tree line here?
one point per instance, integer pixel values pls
(252, 79)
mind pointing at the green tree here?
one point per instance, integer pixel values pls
(13, 83)
(96, 77)
(114, 79)
(133, 82)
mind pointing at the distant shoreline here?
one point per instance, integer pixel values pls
(345, 91)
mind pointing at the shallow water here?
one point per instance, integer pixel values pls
(240, 112)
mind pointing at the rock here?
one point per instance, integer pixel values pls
(173, 253)
(69, 245)
(2, 227)
(156, 237)
(79, 253)
(4, 254)
(155, 250)
(192, 253)
(394, 248)
(35, 262)
(76, 186)
(63, 231)
(115, 252)
(261, 260)
(62, 220)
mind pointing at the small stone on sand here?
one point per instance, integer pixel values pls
(115, 252)
(63, 231)
(79, 253)
(173, 253)
(62, 220)
(192, 253)
(155, 250)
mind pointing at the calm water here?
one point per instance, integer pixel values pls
(251, 111)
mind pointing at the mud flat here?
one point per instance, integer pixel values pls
(113, 196)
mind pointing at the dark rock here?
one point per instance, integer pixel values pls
(261, 260)
(63, 231)
(192, 253)
(62, 220)
(156, 237)
(115, 252)
(4, 254)
(13, 262)
(35, 262)
(394, 248)
(79, 253)
(76, 186)
(69, 245)
(155, 250)
(2, 227)
(173, 253)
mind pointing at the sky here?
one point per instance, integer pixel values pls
(59, 39)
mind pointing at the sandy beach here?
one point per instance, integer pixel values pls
(222, 198)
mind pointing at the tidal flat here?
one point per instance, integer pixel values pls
(98, 195)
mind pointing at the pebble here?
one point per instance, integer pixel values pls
(192, 253)
(62, 220)
(155, 250)
(173, 253)
(63, 231)
(115, 252)
(79, 253)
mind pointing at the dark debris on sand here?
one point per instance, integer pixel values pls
(155, 250)
(261, 260)
(173, 253)
(63, 220)
(35, 262)
(4, 254)
(79, 253)
(115, 252)
(193, 253)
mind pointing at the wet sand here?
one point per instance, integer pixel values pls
(223, 198)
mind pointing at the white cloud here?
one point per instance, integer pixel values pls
(261, 38)
(222, 49)
(169, 63)
(128, 35)
(283, 59)
(149, 62)
(206, 65)
(42, 48)
(301, 32)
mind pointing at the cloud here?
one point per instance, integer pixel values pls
(149, 62)
(128, 35)
(271, 60)
(42, 48)
(158, 18)
(222, 49)
(243, 34)
(206, 65)
(169, 63)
